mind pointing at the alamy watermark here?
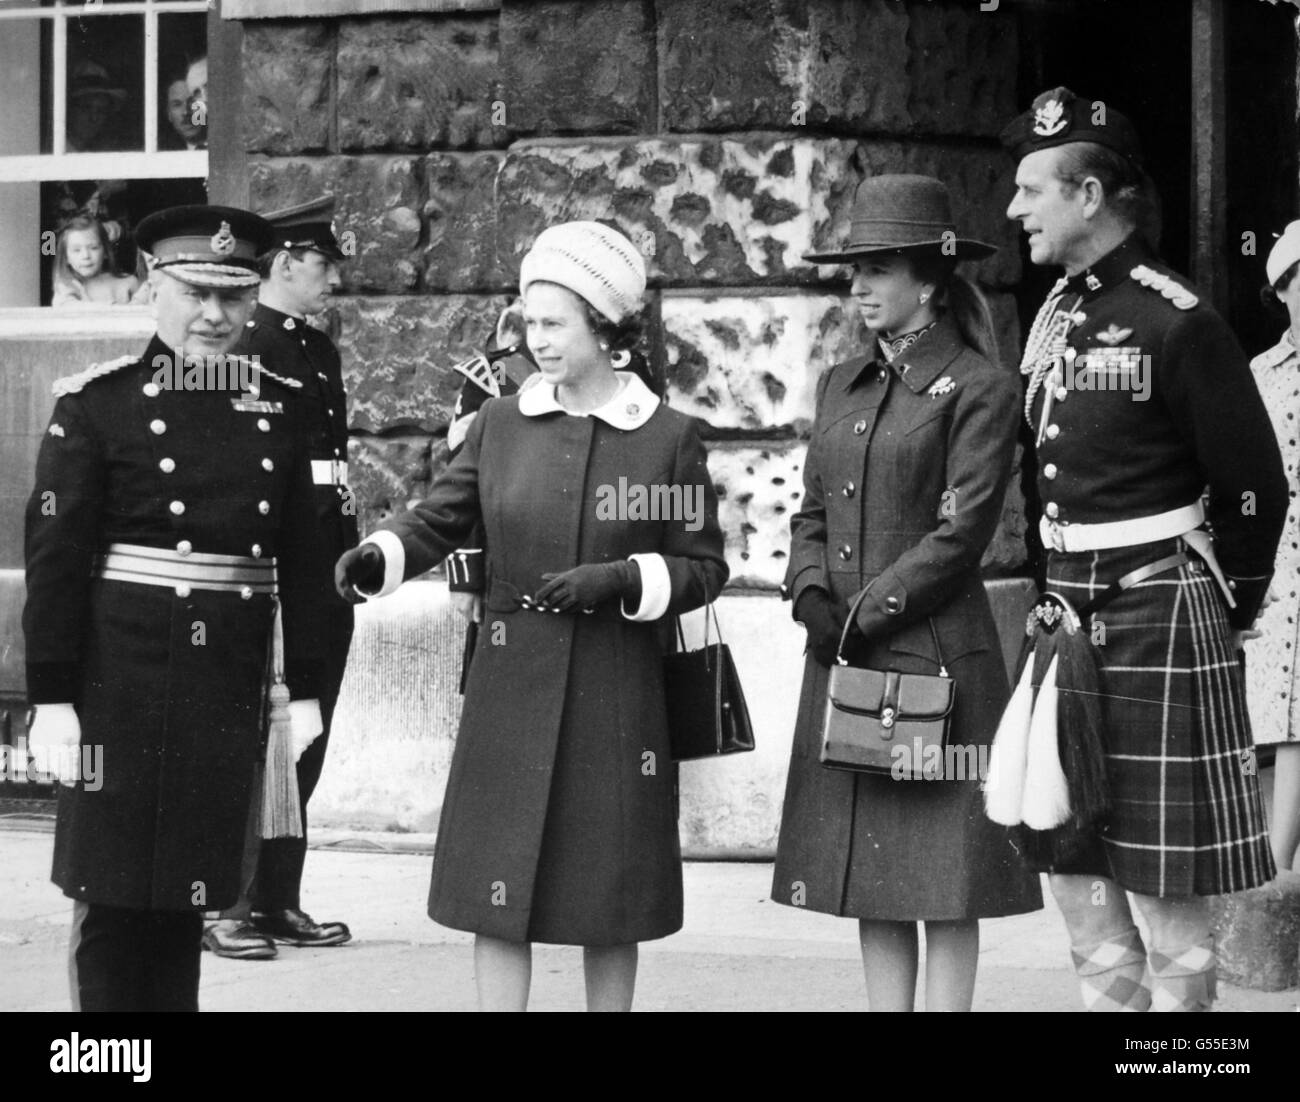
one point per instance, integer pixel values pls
(66, 764)
(241, 374)
(634, 501)
(1123, 369)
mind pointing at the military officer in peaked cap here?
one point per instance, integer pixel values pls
(1140, 398)
(172, 502)
(299, 274)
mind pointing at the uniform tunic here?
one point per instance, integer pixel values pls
(169, 682)
(1271, 685)
(559, 822)
(903, 487)
(1158, 401)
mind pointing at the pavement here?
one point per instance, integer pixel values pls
(737, 952)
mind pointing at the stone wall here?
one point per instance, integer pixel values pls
(724, 138)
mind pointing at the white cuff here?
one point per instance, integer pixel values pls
(394, 562)
(656, 588)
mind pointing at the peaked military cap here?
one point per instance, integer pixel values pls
(307, 225)
(206, 246)
(1059, 117)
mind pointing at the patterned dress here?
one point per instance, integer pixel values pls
(1270, 659)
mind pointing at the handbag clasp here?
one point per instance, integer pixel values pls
(887, 718)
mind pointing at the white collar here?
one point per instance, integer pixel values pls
(1284, 350)
(630, 408)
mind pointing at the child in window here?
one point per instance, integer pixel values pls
(84, 268)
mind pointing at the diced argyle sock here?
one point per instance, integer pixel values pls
(1110, 972)
(1183, 980)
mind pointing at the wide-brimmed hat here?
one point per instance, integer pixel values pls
(894, 213)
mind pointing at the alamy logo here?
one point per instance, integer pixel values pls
(225, 372)
(634, 501)
(1115, 367)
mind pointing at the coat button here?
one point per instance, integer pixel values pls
(177, 508)
(263, 507)
(263, 424)
(632, 410)
(1052, 510)
(267, 465)
(167, 465)
(859, 428)
(882, 374)
(892, 605)
(849, 489)
(157, 427)
(182, 590)
(1049, 471)
(256, 550)
(846, 552)
(152, 390)
(246, 593)
(1053, 431)
(321, 375)
(184, 547)
(1061, 392)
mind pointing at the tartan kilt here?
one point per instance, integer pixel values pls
(1187, 817)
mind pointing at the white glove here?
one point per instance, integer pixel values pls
(306, 724)
(54, 741)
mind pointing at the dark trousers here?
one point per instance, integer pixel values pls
(272, 873)
(129, 960)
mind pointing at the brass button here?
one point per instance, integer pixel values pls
(263, 507)
(157, 427)
(177, 508)
(859, 428)
(892, 605)
(849, 489)
(632, 410)
(167, 465)
(846, 552)
(1049, 471)
(257, 550)
(152, 390)
(182, 590)
(1053, 431)
(1053, 510)
(264, 424)
(882, 375)
(1061, 392)
(246, 592)
(267, 465)
(184, 547)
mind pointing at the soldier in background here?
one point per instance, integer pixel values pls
(299, 275)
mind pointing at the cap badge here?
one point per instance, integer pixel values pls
(223, 241)
(1050, 119)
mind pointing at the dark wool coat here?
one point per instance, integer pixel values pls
(178, 719)
(560, 819)
(903, 486)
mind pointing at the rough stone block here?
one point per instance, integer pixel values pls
(752, 362)
(1258, 935)
(848, 66)
(397, 356)
(390, 473)
(418, 83)
(758, 488)
(286, 68)
(376, 211)
(462, 253)
(582, 67)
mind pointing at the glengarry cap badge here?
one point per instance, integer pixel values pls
(223, 241)
(1050, 119)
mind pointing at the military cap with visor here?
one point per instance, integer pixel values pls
(307, 225)
(206, 246)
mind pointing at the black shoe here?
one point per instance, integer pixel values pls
(238, 941)
(295, 927)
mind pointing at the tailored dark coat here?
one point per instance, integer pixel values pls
(903, 486)
(559, 822)
(168, 683)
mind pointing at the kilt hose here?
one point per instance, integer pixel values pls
(1186, 817)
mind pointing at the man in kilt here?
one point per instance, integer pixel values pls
(1139, 399)
(173, 502)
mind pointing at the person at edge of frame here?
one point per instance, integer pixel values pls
(559, 823)
(924, 417)
(166, 523)
(504, 366)
(1138, 394)
(300, 272)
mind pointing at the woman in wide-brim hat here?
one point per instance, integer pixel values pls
(909, 460)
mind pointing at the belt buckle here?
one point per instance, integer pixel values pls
(1056, 535)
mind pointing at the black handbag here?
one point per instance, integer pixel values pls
(707, 714)
(884, 721)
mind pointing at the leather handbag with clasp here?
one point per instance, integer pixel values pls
(886, 721)
(707, 714)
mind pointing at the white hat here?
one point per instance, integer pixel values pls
(591, 260)
(1285, 252)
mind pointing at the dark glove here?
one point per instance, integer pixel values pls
(362, 568)
(588, 585)
(823, 618)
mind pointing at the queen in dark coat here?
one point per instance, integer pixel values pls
(909, 460)
(560, 817)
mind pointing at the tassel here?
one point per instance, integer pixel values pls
(281, 811)
(1004, 790)
(1047, 797)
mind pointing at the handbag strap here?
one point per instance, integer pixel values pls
(852, 619)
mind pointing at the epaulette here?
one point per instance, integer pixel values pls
(73, 384)
(1178, 295)
(484, 374)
